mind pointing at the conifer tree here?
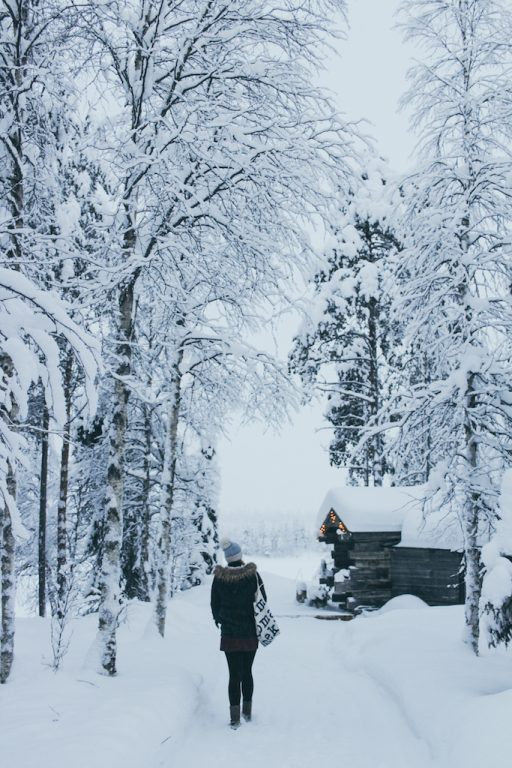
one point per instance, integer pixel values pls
(343, 351)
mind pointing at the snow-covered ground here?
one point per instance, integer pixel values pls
(397, 689)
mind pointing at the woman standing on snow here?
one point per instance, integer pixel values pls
(232, 601)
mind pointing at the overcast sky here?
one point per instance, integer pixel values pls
(264, 473)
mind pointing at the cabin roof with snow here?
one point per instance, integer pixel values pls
(432, 527)
(401, 510)
(371, 509)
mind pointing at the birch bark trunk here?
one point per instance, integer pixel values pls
(146, 515)
(43, 498)
(8, 590)
(166, 501)
(62, 532)
(109, 583)
(377, 444)
(473, 576)
(14, 255)
(8, 583)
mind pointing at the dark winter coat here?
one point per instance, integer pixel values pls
(232, 599)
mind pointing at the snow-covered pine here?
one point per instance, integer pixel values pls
(344, 348)
(197, 478)
(87, 498)
(194, 517)
(414, 452)
(454, 274)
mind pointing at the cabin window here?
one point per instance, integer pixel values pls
(336, 522)
(333, 524)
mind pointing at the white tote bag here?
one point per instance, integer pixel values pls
(266, 625)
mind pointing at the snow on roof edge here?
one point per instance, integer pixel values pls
(363, 508)
(399, 509)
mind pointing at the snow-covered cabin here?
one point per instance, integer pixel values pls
(385, 546)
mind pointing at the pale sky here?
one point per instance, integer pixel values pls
(264, 473)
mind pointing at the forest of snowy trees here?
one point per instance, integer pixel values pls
(410, 337)
(163, 164)
(158, 163)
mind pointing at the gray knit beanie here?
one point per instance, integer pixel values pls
(232, 551)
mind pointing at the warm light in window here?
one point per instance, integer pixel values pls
(331, 522)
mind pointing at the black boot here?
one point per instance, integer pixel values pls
(247, 710)
(234, 713)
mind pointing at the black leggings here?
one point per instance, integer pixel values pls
(240, 675)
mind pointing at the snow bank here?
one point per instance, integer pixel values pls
(403, 603)
(457, 704)
(78, 718)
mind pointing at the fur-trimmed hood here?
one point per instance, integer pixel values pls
(228, 573)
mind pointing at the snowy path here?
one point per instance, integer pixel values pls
(312, 703)
(395, 690)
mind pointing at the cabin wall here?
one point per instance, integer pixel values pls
(434, 575)
(368, 558)
(341, 554)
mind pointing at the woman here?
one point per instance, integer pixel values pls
(232, 602)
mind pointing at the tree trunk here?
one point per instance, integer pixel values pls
(14, 255)
(146, 514)
(377, 444)
(473, 575)
(62, 533)
(429, 462)
(166, 503)
(8, 579)
(43, 496)
(109, 583)
(8, 591)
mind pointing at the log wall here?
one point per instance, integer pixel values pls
(434, 575)
(368, 557)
